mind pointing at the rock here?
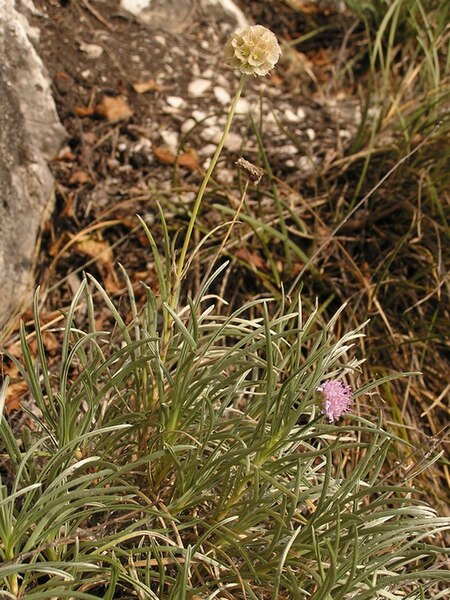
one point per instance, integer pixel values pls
(176, 15)
(92, 51)
(199, 115)
(198, 87)
(30, 135)
(222, 95)
(242, 107)
(170, 139)
(229, 8)
(170, 15)
(208, 150)
(188, 126)
(175, 102)
(233, 142)
(211, 134)
(311, 134)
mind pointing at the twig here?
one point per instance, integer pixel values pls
(97, 15)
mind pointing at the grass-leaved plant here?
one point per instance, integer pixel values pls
(185, 453)
(209, 468)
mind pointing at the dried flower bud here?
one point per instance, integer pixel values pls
(253, 50)
(253, 172)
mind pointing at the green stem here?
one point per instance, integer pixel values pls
(201, 191)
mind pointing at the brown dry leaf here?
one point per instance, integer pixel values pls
(322, 58)
(110, 282)
(79, 177)
(98, 249)
(113, 108)
(164, 155)
(146, 86)
(14, 394)
(309, 8)
(56, 245)
(68, 209)
(251, 258)
(16, 388)
(89, 138)
(51, 342)
(65, 154)
(276, 79)
(189, 160)
(84, 111)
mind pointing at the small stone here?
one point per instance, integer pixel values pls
(242, 106)
(225, 176)
(344, 134)
(311, 134)
(199, 115)
(86, 73)
(143, 145)
(301, 114)
(233, 142)
(198, 87)
(188, 125)
(211, 134)
(175, 101)
(170, 139)
(289, 149)
(112, 163)
(222, 95)
(306, 165)
(208, 150)
(290, 115)
(92, 51)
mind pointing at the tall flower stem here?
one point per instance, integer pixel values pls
(201, 192)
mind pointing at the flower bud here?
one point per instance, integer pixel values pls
(253, 50)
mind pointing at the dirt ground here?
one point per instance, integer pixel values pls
(144, 109)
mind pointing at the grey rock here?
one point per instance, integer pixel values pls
(169, 15)
(176, 15)
(197, 87)
(30, 135)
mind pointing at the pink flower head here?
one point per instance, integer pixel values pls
(337, 398)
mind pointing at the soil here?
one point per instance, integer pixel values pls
(144, 110)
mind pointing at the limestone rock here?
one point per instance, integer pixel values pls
(30, 135)
(176, 15)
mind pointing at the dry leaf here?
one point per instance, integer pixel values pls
(251, 258)
(309, 8)
(164, 155)
(146, 86)
(101, 251)
(65, 154)
(14, 394)
(79, 177)
(84, 111)
(16, 388)
(113, 108)
(51, 342)
(188, 159)
(98, 249)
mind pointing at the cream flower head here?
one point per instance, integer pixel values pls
(253, 50)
